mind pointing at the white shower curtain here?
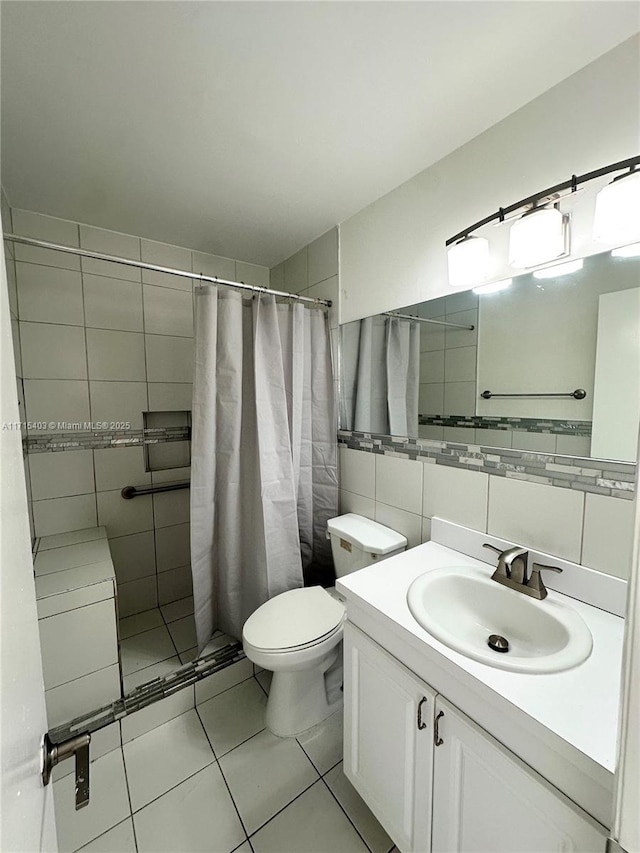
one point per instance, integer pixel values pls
(264, 453)
(380, 376)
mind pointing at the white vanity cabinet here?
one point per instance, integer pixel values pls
(468, 793)
(388, 739)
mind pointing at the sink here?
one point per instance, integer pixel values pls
(462, 607)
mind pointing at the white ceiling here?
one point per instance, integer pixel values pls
(249, 128)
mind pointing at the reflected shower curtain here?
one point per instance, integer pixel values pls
(380, 376)
(264, 455)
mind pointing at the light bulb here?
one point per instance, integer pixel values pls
(538, 237)
(617, 216)
(468, 261)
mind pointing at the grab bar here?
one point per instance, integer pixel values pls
(578, 394)
(136, 491)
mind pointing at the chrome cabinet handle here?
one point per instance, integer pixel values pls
(421, 723)
(436, 733)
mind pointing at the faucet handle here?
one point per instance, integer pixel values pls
(507, 558)
(493, 548)
(535, 581)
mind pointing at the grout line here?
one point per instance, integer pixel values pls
(346, 813)
(273, 816)
(177, 785)
(126, 781)
(224, 779)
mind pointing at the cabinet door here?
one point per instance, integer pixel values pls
(388, 740)
(488, 801)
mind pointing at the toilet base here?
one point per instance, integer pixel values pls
(298, 700)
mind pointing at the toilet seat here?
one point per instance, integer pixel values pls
(294, 620)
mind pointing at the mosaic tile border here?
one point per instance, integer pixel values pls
(557, 427)
(102, 439)
(596, 476)
(152, 691)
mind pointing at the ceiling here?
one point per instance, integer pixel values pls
(247, 129)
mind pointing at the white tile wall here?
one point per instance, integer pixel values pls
(119, 467)
(169, 359)
(252, 274)
(115, 355)
(56, 475)
(52, 351)
(170, 396)
(167, 311)
(59, 515)
(295, 272)
(323, 257)
(545, 517)
(82, 695)
(608, 534)
(592, 529)
(399, 483)
(172, 546)
(174, 584)
(457, 495)
(112, 304)
(133, 556)
(171, 508)
(49, 295)
(119, 402)
(214, 265)
(59, 400)
(121, 517)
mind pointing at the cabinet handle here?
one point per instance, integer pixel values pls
(421, 723)
(436, 733)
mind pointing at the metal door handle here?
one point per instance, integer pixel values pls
(436, 733)
(421, 723)
(54, 753)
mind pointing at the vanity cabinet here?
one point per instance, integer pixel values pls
(388, 739)
(435, 780)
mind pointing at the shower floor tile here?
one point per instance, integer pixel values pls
(145, 649)
(177, 609)
(273, 791)
(183, 633)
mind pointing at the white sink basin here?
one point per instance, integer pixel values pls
(462, 607)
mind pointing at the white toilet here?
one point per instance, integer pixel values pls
(297, 635)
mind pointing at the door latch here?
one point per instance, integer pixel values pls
(54, 753)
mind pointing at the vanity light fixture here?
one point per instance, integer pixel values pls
(468, 261)
(617, 216)
(631, 251)
(558, 270)
(494, 287)
(541, 233)
(539, 236)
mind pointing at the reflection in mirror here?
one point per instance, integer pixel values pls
(531, 345)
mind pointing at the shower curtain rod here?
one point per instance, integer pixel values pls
(239, 285)
(426, 320)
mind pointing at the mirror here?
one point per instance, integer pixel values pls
(499, 369)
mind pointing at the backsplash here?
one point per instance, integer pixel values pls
(578, 509)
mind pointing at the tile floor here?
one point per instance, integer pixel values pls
(214, 779)
(159, 641)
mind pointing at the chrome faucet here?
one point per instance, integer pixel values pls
(512, 571)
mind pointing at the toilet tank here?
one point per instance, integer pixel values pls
(357, 542)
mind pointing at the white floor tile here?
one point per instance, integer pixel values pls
(158, 670)
(108, 806)
(183, 633)
(154, 715)
(145, 649)
(264, 774)
(140, 622)
(189, 655)
(178, 609)
(323, 743)
(314, 823)
(197, 815)
(120, 839)
(359, 813)
(164, 757)
(234, 716)
(223, 680)
(264, 678)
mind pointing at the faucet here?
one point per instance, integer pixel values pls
(512, 571)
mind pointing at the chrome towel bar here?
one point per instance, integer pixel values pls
(578, 394)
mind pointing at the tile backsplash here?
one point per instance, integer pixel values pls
(574, 508)
(97, 344)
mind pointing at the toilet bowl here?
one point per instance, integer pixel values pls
(297, 635)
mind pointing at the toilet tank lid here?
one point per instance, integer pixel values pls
(366, 534)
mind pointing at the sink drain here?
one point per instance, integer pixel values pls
(498, 643)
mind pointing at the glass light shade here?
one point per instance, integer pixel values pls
(538, 237)
(468, 261)
(558, 270)
(494, 287)
(617, 216)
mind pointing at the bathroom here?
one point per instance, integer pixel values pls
(111, 151)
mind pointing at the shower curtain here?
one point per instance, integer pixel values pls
(381, 376)
(264, 453)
